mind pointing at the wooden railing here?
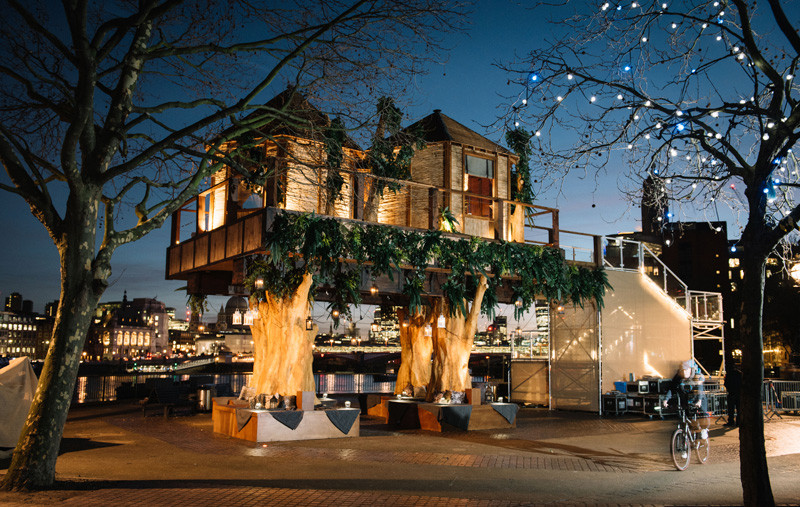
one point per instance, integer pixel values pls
(413, 205)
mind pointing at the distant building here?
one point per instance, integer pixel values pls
(14, 302)
(129, 329)
(24, 335)
(51, 308)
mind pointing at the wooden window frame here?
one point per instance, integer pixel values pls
(468, 201)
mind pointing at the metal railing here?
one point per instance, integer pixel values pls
(704, 306)
(628, 255)
(780, 396)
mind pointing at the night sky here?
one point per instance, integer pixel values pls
(468, 88)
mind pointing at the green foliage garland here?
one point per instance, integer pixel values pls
(390, 157)
(334, 140)
(301, 243)
(519, 142)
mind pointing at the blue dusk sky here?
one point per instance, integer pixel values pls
(468, 88)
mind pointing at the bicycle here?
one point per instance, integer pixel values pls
(692, 433)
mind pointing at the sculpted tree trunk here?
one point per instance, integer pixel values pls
(453, 344)
(282, 346)
(415, 354)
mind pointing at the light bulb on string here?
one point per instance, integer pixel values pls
(705, 25)
(559, 98)
(674, 26)
(532, 78)
(524, 102)
(619, 96)
(715, 114)
(593, 99)
(647, 103)
(626, 68)
(569, 77)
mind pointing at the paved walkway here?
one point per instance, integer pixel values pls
(114, 456)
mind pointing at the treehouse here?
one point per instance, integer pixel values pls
(458, 170)
(460, 183)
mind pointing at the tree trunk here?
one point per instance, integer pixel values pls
(34, 461)
(282, 347)
(756, 486)
(453, 344)
(415, 354)
(516, 225)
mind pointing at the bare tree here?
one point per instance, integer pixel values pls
(701, 96)
(120, 108)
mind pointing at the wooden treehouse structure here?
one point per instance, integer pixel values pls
(641, 330)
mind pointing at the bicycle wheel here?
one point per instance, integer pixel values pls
(680, 449)
(702, 449)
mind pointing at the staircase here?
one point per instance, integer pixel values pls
(703, 308)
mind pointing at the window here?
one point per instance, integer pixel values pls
(733, 262)
(480, 181)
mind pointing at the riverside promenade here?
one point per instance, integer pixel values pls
(112, 455)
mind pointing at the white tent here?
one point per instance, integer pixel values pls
(17, 387)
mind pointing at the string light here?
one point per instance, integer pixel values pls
(559, 98)
(619, 97)
(715, 114)
(593, 99)
(570, 76)
(648, 103)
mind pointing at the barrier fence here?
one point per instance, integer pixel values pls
(780, 396)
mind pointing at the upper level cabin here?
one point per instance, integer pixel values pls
(458, 169)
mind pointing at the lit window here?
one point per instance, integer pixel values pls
(733, 288)
(480, 181)
(733, 262)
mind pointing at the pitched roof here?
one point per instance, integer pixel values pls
(312, 124)
(438, 127)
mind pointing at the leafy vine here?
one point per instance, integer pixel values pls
(337, 251)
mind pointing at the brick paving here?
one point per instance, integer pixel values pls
(117, 457)
(244, 496)
(193, 438)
